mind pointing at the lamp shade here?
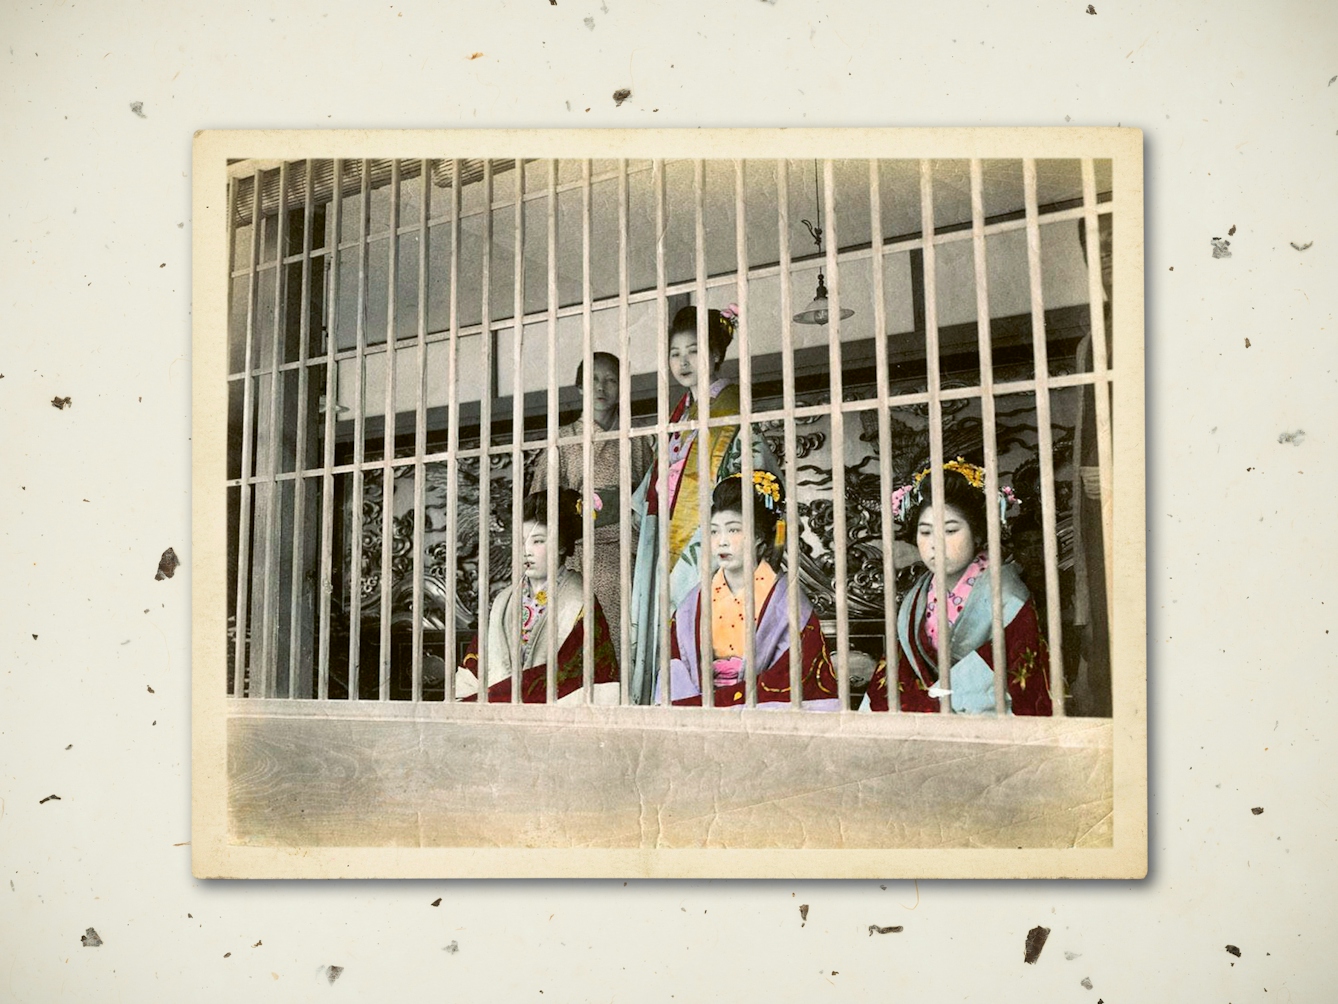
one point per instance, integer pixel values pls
(818, 311)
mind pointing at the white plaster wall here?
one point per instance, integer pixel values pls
(1241, 128)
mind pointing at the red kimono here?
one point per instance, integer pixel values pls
(1028, 657)
(534, 674)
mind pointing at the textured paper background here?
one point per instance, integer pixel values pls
(1239, 124)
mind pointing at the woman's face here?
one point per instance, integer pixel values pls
(959, 542)
(604, 400)
(727, 541)
(683, 359)
(535, 551)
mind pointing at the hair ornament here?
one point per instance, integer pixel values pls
(730, 318)
(596, 504)
(907, 498)
(767, 487)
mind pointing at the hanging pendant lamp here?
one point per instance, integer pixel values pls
(818, 311)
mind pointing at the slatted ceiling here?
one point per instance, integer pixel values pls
(471, 171)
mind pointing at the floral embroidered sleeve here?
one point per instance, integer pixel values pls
(1028, 664)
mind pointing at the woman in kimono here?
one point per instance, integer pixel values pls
(681, 523)
(970, 609)
(535, 610)
(728, 619)
(608, 500)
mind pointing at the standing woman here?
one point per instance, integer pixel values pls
(682, 520)
(609, 500)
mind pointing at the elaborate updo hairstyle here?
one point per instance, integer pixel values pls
(569, 519)
(768, 511)
(719, 330)
(959, 493)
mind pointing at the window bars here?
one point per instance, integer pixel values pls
(301, 529)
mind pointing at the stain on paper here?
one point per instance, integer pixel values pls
(90, 939)
(1086, 983)
(475, 55)
(452, 949)
(1233, 950)
(1295, 438)
(1072, 955)
(1232, 231)
(1258, 810)
(167, 565)
(1035, 942)
(138, 108)
(61, 403)
(1221, 247)
(1091, 9)
(589, 22)
(875, 929)
(1301, 247)
(1247, 343)
(803, 914)
(333, 973)
(622, 94)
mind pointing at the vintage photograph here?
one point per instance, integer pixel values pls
(591, 503)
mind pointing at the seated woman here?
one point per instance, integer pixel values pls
(681, 522)
(970, 609)
(772, 640)
(533, 609)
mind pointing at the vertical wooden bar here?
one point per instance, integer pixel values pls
(993, 517)
(703, 433)
(299, 463)
(420, 432)
(453, 442)
(662, 612)
(518, 427)
(359, 442)
(838, 440)
(746, 444)
(485, 435)
(885, 470)
(388, 441)
(791, 438)
(1044, 438)
(242, 652)
(553, 456)
(328, 452)
(1101, 389)
(270, 657)
(587, 444)
(625, 486)
(944, 685)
